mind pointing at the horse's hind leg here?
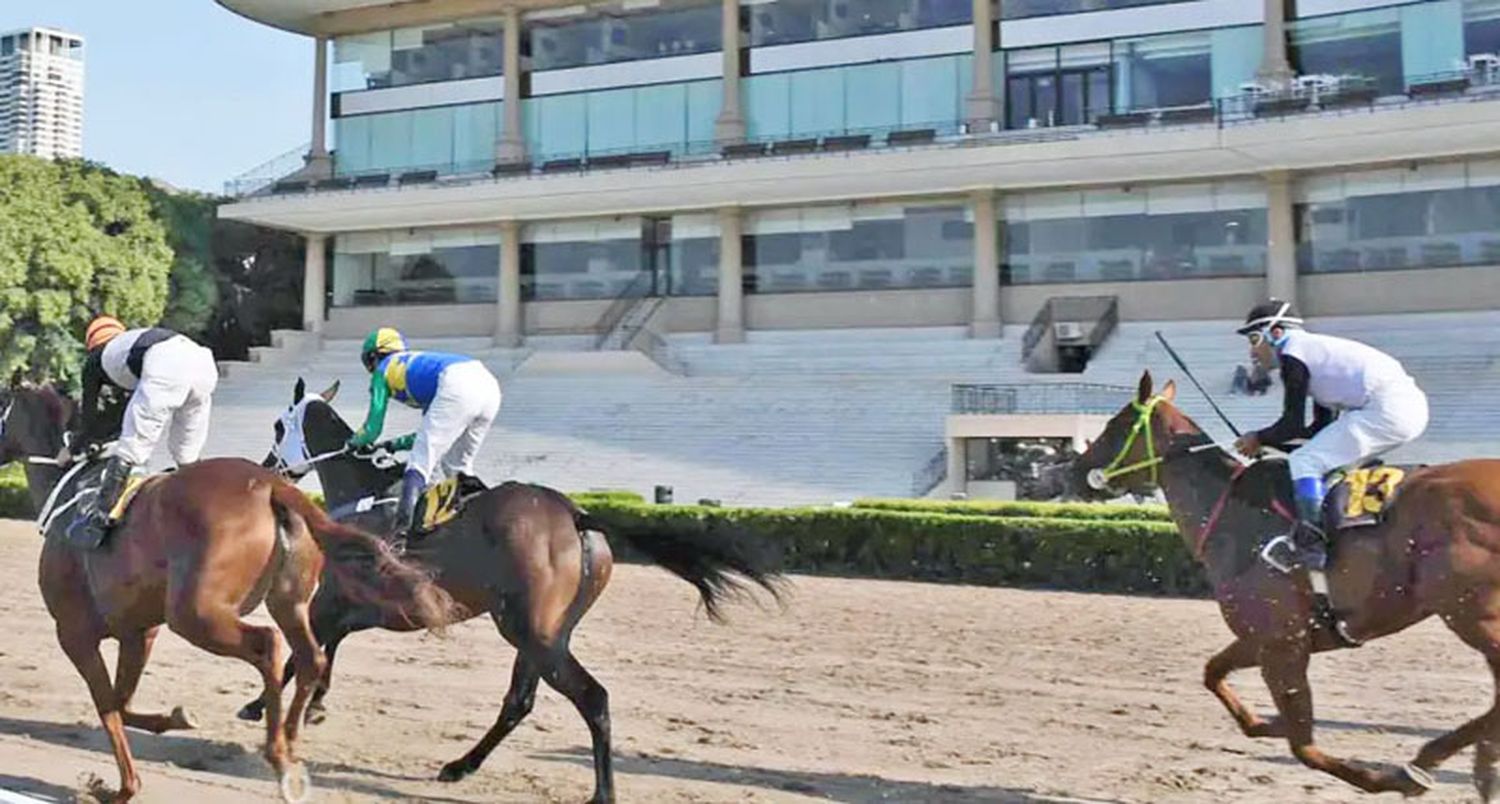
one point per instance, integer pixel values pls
(1285, 672)
(82, 647)
(568, 677)
(1240, 655)
(518, 702)
(135, 649)
(1478, 627)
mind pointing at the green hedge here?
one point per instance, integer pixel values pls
(1104, 511)
(15, 501)
(1097, 555)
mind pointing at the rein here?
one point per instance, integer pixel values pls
(1099, 478)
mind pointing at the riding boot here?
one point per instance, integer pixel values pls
(89, 529)
(412, 485)
(1305, 545)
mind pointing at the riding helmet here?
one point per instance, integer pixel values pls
(380, 343)
(101, 330)
(1270, 313)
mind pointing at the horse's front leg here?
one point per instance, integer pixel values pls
(1284, 667)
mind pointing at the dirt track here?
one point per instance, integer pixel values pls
(860, 691)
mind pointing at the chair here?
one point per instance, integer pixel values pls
(372, 181)
(805, 145)
(742, 150)
(505, 170)
(847, 142)
(562, 165)
(909, 137)
(417, 177)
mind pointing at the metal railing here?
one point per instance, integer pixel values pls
(1072, 397)
(267, 173)
(932, 473)
(635, 290)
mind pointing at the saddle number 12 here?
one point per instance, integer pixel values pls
(1370, 489)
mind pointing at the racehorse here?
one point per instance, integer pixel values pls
(524, 554)
(1435, 552)
(197, 549)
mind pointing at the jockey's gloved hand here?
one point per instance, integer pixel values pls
(400, 443)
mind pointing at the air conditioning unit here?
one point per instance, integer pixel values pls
(1067, 331)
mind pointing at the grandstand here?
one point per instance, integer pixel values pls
(823, 416)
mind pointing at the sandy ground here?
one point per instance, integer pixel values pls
(859, 691)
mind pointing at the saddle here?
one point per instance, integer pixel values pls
(1360, 497)
(444, 501)
(59, 511)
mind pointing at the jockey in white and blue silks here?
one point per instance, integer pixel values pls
(1364, 404)
(459, 399)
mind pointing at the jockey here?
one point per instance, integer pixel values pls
(169, 377)
(459, 399)
(1364, 404)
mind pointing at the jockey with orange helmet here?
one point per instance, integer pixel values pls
(168, 377)
(459, 399)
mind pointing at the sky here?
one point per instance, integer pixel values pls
(181, 90)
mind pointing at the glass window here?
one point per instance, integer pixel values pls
(782, 22)
(24, 42)
(616, 36)
(425, 266)
(1117, 235)
(1436, 216)
(862, 246)
(54, 45)
(1058, 86)
(1364, 44)
(1161, 71)
(448, 139)
(694, 256)
(589, 259)
(1016, 9)
(7, 46)
(447, 52)
(1482, 27)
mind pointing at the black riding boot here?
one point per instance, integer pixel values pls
(90, 527)
(1308, 538)
(406, 509)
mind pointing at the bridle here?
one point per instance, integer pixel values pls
(1099, 478)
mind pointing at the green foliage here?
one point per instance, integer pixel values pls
(189, 219)
(75, 240)
(1112, 511)
(15, 501)
(1091, 555)
(606, 496)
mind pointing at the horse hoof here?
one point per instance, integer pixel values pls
(1414, 781)
(251, 711)
(296, 786)
(180, 719)
(453, 772)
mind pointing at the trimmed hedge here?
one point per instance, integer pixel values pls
(1088, 555)
(15, 500)
(1019, 508)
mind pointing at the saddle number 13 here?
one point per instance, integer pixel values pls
(1370, 489)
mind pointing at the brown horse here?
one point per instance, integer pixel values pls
(524, 554)
(197, 550)
(1436, 552)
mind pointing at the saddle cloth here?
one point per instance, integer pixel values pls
(1360, 497)
(444, 501)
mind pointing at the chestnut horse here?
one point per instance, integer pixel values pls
(1436, 552)
(197, 550)
(524, 554)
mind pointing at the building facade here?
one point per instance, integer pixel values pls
(510, 169)
(41, 93)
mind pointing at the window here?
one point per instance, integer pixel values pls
(694, 266)
(1058, 86)
(1161, 71)
(589, 259)
(423, 266)
(1016, 9)
(1364, 44)
(782, 22)
(1482, 27)
(1436, 216)
(616, 36)
(1119, 235)
(862, 246)
(449, 139)
(447, 52)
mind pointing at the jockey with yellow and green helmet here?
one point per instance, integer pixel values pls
(459, 399)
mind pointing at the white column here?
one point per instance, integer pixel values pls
(319, 165)
(314, 282)
(508, 322)
(1281, 234)
(958, 467)
(731, 324)
(985, 321)
(729, 127)
(1274, 67)
(511, 146)
(982, 107)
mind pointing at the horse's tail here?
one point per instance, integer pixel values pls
(365, 569)
(717, 560)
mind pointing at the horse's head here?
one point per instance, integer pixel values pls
(307, 428)
(33, 421)
(1126, 458)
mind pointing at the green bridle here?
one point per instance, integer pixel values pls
(1099, 478)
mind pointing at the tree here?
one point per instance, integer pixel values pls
(76, 240)
(193, 295)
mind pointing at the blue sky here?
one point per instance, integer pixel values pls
(181, 90)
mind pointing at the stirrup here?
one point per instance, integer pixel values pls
(1282, 542)
(1325, 614)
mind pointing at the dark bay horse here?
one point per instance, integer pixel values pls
(1437, 552)
(197, 550)
(524, 554)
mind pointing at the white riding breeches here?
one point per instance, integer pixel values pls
(455, 424)
(1396, 414)
(178, 378)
